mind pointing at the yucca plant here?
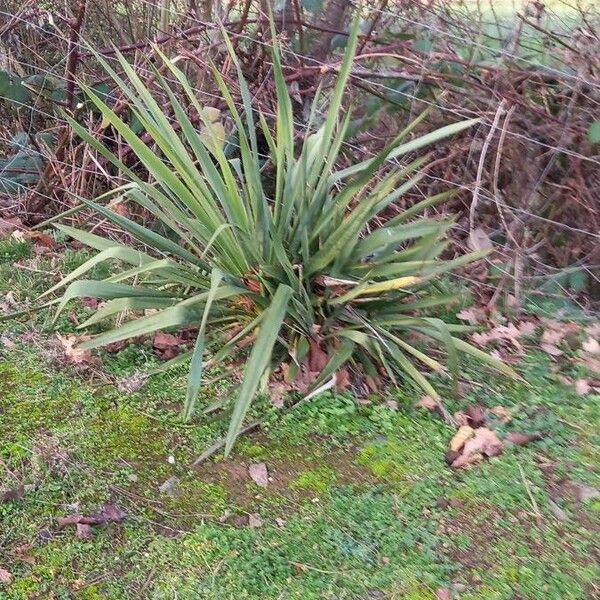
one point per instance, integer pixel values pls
(278, 248)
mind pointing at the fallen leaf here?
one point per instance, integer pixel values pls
(109, 513)
(259, 474)
(462, 435)
(520, 439)
(552, 336)
(6, 578)
(277, 391)
(551, 349)
(584, 493)
(473, 315)
(317, 358)
(479, 240)
(254, 521)
(476, 415)
(7, 342)
(280, 522)
(501, 333)
(13, 494)
(465, 460)
(428, 403)
(451, 456)
(485, 442)
(165, 341)
(502, 413)
(592, 364)
(461, 418)
(170, 487)
(84, 531)
(591, 346)
(526, 328)
(8, 225)
(41, 239)
(72, 353)
(133, 383)
(582, 387)
(62, 522)
(22, 553)
(443, 594)
(342, 380)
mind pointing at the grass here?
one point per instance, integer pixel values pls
(360, 505)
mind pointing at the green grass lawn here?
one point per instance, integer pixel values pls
(360, 502)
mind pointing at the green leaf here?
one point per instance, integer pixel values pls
(594, 133)
(259, 360)
(195, 379)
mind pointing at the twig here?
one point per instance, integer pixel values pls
(536, 510)
(480, 167)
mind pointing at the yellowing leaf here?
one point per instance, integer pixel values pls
(215, 137)
(388, 286)
(462, 435)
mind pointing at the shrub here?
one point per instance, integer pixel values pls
(280, 249)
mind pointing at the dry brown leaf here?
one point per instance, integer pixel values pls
(371, 384)
(254, 521)
(462, 435)
(501, 333)
(527, 328)
(259, 474)
(582, 387)
(6, 578)
(465, 460)
(461, 418)
(520, 439)
(443, 594)
(591, 346)
(473, 315)
(170, 487)
(502, 413)
(41, 239)
(593, 330)
(342, 380)
(592, 364)
(277, 391)
(9, 225)
(13, 494)
(552, 336)
(317, 358)
(479, 240)
(428, 403)
(551, 349)
(583, 493)
(84, 531)
(165, 341)
(476, 415)
(73, 354)
(22, 553)
(485, 442)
